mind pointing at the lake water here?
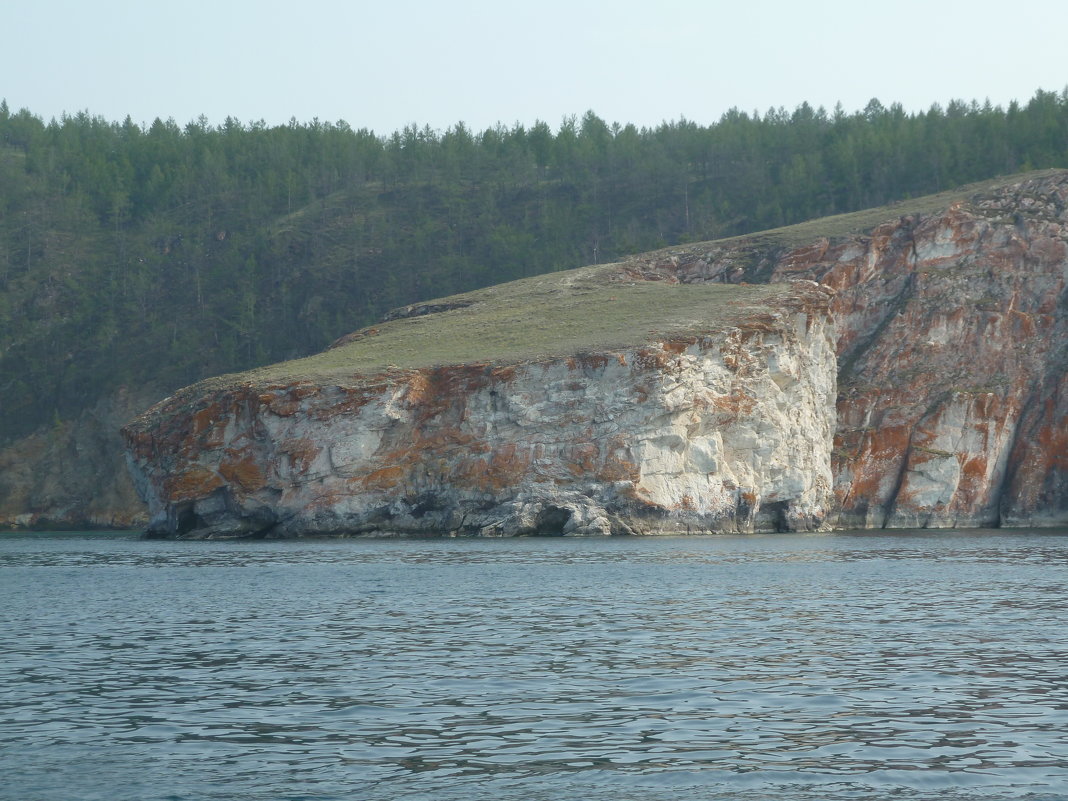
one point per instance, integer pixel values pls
(914, 665)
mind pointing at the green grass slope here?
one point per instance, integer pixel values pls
(589, 308)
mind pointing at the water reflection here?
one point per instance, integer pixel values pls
(776, 667)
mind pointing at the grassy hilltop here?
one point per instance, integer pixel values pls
(590, 308)
(558, 314)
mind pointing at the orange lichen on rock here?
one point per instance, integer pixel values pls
(655, 358)
(204, 419)
(383, 479)
(506, 467)
(243, 472)
(588, 361)
(732, 406)
(502, 468)
(300, 452)
(678, 346)
(618, 463)
(583, 459)
(192, 483)
(876, 457)
(288, 401)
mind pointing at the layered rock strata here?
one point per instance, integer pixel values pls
(712, 427)
(953, 348)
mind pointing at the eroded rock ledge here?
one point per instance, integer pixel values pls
(719, 424)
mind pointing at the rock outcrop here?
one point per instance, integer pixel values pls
(718, 425)
(953, 349)
(944, 318)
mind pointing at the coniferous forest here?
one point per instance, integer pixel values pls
(161, 254)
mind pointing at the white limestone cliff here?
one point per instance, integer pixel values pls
(721, 430)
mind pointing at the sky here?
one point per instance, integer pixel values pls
(387, 64)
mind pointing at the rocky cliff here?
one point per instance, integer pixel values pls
(952, 348)
(688, 409)
(669, 393)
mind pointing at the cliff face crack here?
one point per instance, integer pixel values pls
(896, 305)
(899, 482)
(1021, 435)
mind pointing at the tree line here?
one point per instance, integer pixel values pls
(163, 253)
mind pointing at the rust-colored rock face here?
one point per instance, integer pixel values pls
(952, 335)
(725, 430)
(946, 332)
(952, 354)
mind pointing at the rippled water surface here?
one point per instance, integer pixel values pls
(906, 666)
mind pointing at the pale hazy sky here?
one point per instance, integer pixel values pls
(382, 65)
